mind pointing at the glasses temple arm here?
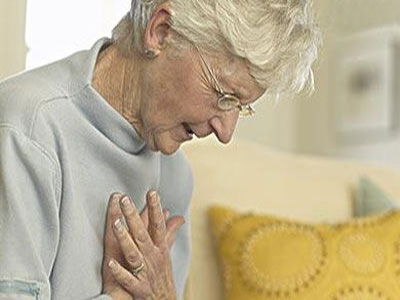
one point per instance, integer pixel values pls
(208, 69)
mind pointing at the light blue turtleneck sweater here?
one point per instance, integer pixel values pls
(63, 151)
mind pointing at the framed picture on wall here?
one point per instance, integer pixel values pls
(365, 95)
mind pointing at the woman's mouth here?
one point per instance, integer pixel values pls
(189, 131)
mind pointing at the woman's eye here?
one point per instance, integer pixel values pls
(218, 93)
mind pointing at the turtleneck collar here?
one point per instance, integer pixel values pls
(98, 111)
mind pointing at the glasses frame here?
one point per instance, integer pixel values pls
(226, 101)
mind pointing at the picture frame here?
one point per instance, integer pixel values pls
(365, 77)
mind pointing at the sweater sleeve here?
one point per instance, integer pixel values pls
(29, 224)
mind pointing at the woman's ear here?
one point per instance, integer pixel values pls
(157, 29)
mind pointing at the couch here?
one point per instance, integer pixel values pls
(249, 177)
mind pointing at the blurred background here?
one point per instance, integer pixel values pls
(354, 112)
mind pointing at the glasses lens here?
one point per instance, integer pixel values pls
(228, 102)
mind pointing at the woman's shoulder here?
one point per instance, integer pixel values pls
(23, 94)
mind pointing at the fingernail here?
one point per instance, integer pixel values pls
(114, 198)
(115, 195)
(118, 225)
(112, 265)
(152, 194)
(125, 201)
(153, 197)
(180, 224)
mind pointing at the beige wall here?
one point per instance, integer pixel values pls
(307, 124)
(273, 125)
(12, 37)
(315, 119)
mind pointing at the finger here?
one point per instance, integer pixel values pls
(157, 226)
(111, 247)
(136, 227)
(166, 214)
(173, 225)
(171, 239)
(126, 279)
(113, 214)
(129, 249)
(144, 215)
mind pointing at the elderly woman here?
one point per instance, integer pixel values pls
(89, 141)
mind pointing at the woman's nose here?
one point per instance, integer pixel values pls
(224, 125)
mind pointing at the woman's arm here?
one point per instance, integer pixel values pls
(29, 224)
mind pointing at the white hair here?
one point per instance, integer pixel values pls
(277, 38)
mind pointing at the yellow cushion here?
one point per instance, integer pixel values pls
(268, 257)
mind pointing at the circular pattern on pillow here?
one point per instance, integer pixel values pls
(359, 292)
(361, 254)
(268, 271)
(267, 257)
(397, 257)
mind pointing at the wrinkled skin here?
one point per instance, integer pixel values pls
(154, 238)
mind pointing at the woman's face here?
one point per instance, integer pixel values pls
(179, 98)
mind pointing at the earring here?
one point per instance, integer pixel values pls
(149, 53)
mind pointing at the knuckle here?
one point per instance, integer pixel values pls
(141, 235)
(149, 277)
(132, 257)
(124, 235)
(130, 212)
(159, 258)
(158, 222)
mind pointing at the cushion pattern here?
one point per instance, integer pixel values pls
(268, 257)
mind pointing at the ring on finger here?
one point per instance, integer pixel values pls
(135, 271)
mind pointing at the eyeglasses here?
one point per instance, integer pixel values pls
(227, 101)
